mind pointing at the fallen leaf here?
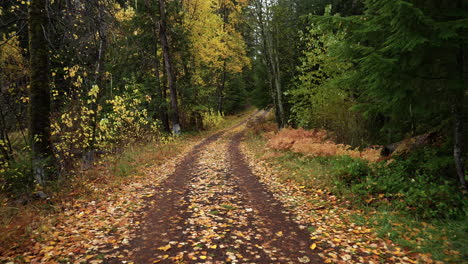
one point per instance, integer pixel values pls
(165, 248)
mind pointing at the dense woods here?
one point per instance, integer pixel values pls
(81, 78)
(97, 75)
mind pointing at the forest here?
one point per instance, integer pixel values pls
(374, 92)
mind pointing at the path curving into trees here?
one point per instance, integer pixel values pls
(213, 209)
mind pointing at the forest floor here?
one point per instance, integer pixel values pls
(213, 203)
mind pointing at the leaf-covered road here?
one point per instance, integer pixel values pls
(213, 203)
(213, 209)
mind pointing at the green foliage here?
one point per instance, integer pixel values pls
(128, 120)
(406, 60)
(16, 176)
(405, 228)
(350, 171)
(395, 70)
(317, 100)
(259, 94)
(420, 184)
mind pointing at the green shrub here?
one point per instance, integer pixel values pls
(350, 170)
(421, 184)
(17, 178)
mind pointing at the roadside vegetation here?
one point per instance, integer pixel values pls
(407, 198)
(31, 218)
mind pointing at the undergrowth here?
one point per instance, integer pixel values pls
(317, 143)
(412, 200)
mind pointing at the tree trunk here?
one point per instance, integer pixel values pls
(279, 90)
(160, 89)
(272, 63)
(169, 69)
(458, 120)
(99, 81)
(39, 112)
(458, 145)
(164, 112)
(5, 144)
(221, 87)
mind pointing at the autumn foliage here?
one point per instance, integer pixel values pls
(317, 143)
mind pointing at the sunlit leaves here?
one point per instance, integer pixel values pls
(12, 62)
(124, 14)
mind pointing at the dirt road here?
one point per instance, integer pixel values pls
(213, 209)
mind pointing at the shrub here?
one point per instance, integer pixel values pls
(419, 184)
(317, 143)
(212, 119)
(422, 184)
(17, 178)
(350, 170)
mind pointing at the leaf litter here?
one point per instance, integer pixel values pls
(336, 238)
(89, 231)
(221, 223)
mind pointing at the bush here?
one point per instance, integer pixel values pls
(317, 143)
(420, 184)
(212, 119)
(17, 178)
(286, 138)
(350, 170)
(423, 184)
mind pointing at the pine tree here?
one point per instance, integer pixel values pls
(410, 66)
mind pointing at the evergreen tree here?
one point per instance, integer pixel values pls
(409, 65)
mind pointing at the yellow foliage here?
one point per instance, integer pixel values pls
(123, 14)
(211, 120)
(12, 62)
(216, 45)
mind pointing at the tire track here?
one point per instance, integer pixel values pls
(213, 209)
(164, 217)
(294, 242)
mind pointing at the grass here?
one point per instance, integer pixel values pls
(228, 207)
(446, 240)
(19, 222)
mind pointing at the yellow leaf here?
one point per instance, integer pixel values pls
(165, 248)
(313, 246)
